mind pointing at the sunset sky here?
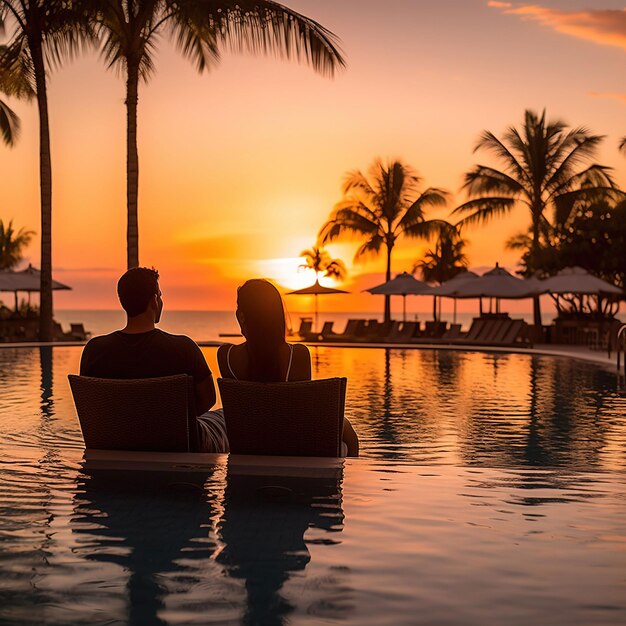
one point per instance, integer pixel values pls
(240, 167)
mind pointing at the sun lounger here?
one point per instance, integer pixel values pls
(284, 419)
(78, 332)
(327, 331)
(478, 324)
(402, 332)
(454, 332)
(517, 333)
(306, 326)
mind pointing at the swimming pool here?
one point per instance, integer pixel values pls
(491, 490)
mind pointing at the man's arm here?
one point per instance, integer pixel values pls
(205, 395)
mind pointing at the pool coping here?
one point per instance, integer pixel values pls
(599, 357)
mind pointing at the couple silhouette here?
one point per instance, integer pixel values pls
(141, 350)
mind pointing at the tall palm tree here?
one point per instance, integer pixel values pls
(320, 261)
(12, 244)
(44, 33)
(542, 170)
(130, 30)
(9, 124)
(381, 209)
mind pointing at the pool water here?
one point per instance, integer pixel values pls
(491, 490)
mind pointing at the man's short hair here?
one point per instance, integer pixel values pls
(136, 288)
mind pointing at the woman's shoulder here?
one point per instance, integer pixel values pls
(300, 349)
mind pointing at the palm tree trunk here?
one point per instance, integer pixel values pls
(132, 166)
(387, 317)
(45, 183)
(535, 266)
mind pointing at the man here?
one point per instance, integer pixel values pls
(140, 350)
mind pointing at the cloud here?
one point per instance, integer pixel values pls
(621, 97)
(605, 27)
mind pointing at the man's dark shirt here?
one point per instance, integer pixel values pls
(143, 355)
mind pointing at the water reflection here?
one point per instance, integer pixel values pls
(263, 531)
(154, 527)
(46, 365)
(482, 409)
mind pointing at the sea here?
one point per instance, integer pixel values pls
(209, 326)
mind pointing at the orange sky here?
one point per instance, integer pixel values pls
(240, 167)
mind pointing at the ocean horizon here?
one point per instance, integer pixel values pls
(213, 325)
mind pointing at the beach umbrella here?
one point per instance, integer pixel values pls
(449, 286)
(404, 285)
(316, 290)
(577, 280)
(27, 280)
(500, 284)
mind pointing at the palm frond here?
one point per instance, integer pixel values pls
(429, 198)
(264, 26)
(622, 145)
(426, 229)
(482, 210)
(9, 124)
(17, 75)
(371, 247)
(489, 142)
(484, 180)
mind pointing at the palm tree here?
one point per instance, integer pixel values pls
(381, 209)
(542, 170)
(44, 33)
(447, 259)
(622, 145)
(12, 244)
(131, 29)
(9, 124)
(444, 262)
(318, 260)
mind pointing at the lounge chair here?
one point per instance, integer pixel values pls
(347, 332)
(78, 332)
(478, 325)
(516, 333)
(454, 332)
(407, 332)
(151, 414)
(392, 333)
(490, 329)
(284, 419)
(306, 327)
(327, 331)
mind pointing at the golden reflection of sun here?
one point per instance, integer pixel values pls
(287, 273)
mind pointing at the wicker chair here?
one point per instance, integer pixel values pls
(284, 419)
(149, 415)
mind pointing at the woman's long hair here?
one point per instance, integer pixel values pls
(264, 318)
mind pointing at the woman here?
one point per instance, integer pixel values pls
(265, 356)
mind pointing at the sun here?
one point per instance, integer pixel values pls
(288, 273)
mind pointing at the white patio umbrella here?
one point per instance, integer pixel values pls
(450, 286)
(498, 283)
(579, 281)
(27, 280)
(404, 285)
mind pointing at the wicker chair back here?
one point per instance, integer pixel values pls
(150, 414)
(284, 419)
